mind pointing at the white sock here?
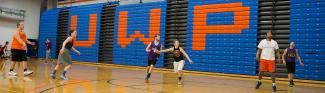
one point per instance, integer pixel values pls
(273, 84)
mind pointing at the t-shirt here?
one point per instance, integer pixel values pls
(268, 49)
(15, 43)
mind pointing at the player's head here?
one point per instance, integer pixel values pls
(176, 43)
(292, 44)
(73, 33)
(157, 37)
(269, 35)
(20, 25)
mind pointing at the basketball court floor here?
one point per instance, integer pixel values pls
(108, 78)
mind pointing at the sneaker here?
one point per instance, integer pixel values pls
(26, 73)
(258, 85)
(291, 84)
(63, 77)
(273, 88)
(12, 73)
(52, 76)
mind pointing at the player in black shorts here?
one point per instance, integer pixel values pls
(289, 58)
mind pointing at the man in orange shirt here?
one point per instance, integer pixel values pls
(19, 49)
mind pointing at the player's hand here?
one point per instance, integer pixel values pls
(78, 53)
(32, 43)
(61, 51)
(191, 62)
(302, 64)
(257, 58)
(157, 51)
(24, 44)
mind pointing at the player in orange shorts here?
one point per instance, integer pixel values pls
(267, 47)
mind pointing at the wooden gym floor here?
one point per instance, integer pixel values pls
(108, 78)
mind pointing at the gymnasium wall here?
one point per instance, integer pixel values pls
(307, 26)
(48, 29)
(135, 27)
(86, 20)
(32, 18)
(221, 35)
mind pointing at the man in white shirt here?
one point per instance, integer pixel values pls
(267, 60)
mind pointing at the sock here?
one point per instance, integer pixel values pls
(64, 72)
(25, 69)
(148, 75)
(11, 69)
(179, 78)
(54, 71)
(258, 80)
(273, 84)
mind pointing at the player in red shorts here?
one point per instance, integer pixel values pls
(267, 47)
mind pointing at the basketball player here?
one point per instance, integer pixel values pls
(48, 44)
(289, 58)
(64, 56)
(179, 62)
(152, 49)
(268, 47)
(19, 49)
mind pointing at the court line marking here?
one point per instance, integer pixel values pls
(218, 75)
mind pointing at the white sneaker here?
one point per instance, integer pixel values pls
(26, 73)
(12, 73)
(64, 77)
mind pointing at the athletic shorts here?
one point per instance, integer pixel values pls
(267, 65)
(152, 62)
(18, 55)
(65, 58)
(291, 67)
(179, 65)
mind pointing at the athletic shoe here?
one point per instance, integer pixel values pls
(12, 73)
(63, 77)
(26, 73)
(258, 85)
(291, 84)
(52, 76)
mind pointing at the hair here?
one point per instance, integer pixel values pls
(175, 40)
(71, 31)
(157, 35)
(18, 23)
(7, 42)
(269, 32)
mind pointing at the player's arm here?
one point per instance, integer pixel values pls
(297, 54)
(187, 57)
(167, 50)
(75, 50)
(283, 56)
(148, 47)
(259, 49)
